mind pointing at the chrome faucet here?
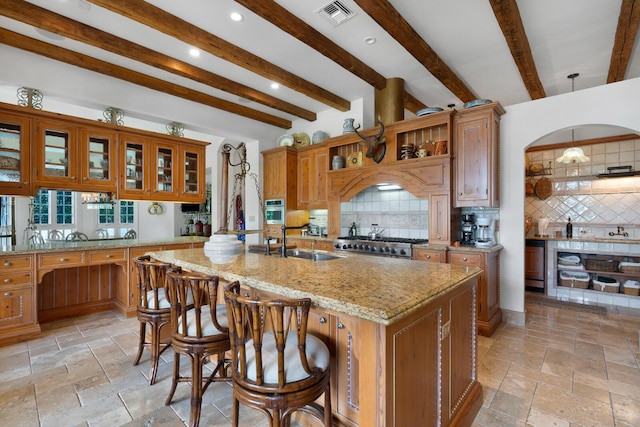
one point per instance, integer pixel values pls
(620, 232)
(283, 249)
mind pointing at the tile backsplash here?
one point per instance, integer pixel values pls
(399, 212)
(595, 205)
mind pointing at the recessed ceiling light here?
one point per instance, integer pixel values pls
(275, 85)
(235, 16)
(369, 40)
(194, 52)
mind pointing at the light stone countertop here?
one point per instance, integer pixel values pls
(65, 246)
(379, 289)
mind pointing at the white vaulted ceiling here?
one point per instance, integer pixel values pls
(470, 56)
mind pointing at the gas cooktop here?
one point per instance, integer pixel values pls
(399, 247)
(387, 239)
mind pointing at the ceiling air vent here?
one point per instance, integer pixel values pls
(336, 12)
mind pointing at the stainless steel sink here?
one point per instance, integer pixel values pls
(313, 256)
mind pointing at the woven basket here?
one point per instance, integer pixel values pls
(631, 287)
(606, 284)
(601, 264)
(630, 267)
(574, 280)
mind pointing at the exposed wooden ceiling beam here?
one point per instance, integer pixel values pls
(388, 18)
(508, 17)
(624, 41)
(42, 18)
(156, 18)
(19, 41)
(271, 11)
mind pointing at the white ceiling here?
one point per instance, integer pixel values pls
(565, 36)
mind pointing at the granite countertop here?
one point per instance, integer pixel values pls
(380, 289)
(65, 246)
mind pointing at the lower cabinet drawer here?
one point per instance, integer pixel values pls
(16, 306)
(12, 279)
(466, 259)
(428, 255)
(15, 262)
(61, 259)
(107, 256)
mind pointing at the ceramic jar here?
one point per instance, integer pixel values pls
(348, 126)
(337, 162)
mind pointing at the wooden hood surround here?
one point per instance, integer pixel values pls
(422, 177)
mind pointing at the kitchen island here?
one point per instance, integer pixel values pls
(402, 334)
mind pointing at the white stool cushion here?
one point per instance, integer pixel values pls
(316, 350)
(162, 300)
(208, 328)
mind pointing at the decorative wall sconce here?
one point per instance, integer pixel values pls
(175, 129)
(31, 98)
(113, 115)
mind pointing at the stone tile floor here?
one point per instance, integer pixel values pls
(563, 368)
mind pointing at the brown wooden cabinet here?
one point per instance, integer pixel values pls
(15, 171)
(74, 157)
(45, 150)
(313, 164)
(17, 302)
(318, 244)
(161, 169)
(477, 145)
(340, 333)
(489, 313)
(439, 218)
(280, 171)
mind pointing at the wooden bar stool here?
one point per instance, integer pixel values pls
(153, 309)
(277, 367)
(198, 330)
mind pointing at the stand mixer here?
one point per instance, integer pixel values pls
(468, 229)
(484, 238)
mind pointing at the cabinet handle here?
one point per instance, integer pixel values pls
(323, 320)
(7, 294)
(7, 264)
(63, 259)
(109, 256)
(340, 325)
(460, 194)
(247, 295)
(7, 280)
(72, 177)
(464, 259)
(25, 183)
(428, 257)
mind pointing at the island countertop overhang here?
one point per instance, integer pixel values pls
(379, 289)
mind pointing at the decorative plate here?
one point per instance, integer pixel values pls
(429, 110)
(354, 159)
(285, 139)
(476, 102)
(301, 139)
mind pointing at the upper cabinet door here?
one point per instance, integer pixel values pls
(135, 160)
(99, 160)
(14, 155)
(56, 154)
(163, 186)
(192, 174)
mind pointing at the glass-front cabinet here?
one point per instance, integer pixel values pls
(98, 167)
(192, 173)
(56, 158)
(163, 186)
(14, 155)
(134, 181)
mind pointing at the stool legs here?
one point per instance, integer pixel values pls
(154, 345)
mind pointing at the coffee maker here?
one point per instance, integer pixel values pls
(484, 238)
(468, 229)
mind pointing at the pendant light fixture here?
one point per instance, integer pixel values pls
(573, 154)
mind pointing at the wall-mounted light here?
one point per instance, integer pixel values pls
(388, 187)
